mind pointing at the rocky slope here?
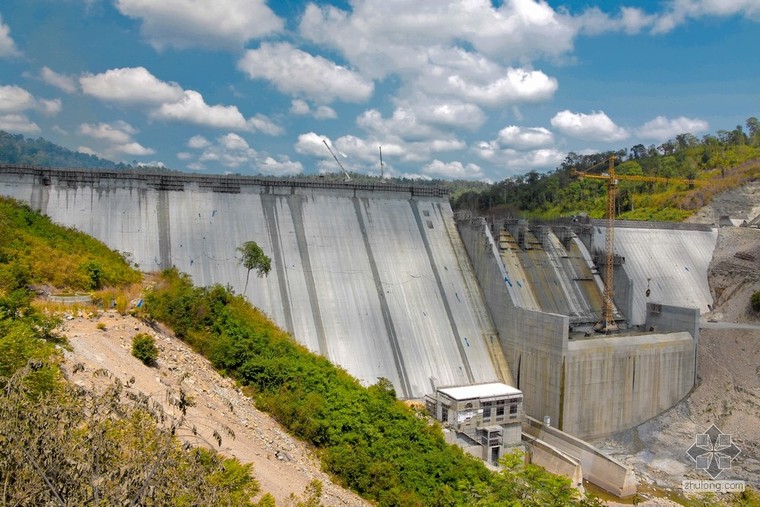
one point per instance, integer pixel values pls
(728, 389)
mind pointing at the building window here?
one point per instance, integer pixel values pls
(513, 409)
(486, 409)
(499, 411)
(445, 414)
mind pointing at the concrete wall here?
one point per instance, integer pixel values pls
(534, 342)
(555, 461)
(588, 387)
(373, 278)
(598, 468)
(616, 382)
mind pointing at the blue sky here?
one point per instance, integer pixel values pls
(463, 89)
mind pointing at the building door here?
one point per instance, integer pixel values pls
(495, 455)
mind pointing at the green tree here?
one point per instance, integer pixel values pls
(144, 348)
(755, 301)
(253, 257)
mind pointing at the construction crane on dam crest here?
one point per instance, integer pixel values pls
(607, 323)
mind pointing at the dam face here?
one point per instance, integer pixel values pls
(374, 278)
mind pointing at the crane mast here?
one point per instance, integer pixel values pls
(607, 323)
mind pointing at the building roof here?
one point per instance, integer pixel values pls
(479, 391)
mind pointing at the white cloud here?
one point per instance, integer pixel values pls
(198, 142)
(119, 138)
(519, 85)
(403, 124)
(312, 144)
(7, 46)
(18, 123)
(522, 161)
(442, 112)
(679, 11)
(282, 167)
(663, 129)
(452, 170)
(131, 85)
(233, 142)
(261, 123)
(233, 152)
(133, 148)
(523, 138)
(120, 132)
(388, 36)
(192, 23)
(64, 83)
(297, 73)
(301, 108)
(14, 99)
(193, 109)
(596, 126)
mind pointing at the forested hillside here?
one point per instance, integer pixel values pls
(15, 149)
(726, 160)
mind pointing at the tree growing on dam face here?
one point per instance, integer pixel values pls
(253, 257)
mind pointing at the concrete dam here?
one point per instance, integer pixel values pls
(375, 278)
(384, 281)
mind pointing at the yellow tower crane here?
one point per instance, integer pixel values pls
(608, 321)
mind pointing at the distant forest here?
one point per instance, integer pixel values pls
(15, 149)
(724, 160)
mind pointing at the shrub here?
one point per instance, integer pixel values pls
(755, 301)
(144, 348)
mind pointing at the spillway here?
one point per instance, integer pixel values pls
(375, 278)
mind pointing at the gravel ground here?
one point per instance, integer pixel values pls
(283, 465)
(728, 389)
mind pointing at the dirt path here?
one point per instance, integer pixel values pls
(282, 464)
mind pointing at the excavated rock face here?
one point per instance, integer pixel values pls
(734, 274)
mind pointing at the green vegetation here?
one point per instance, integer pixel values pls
(66, 447)
(755, 301)
(34, 251)
(253, 257)
(62, 445)
(371, 442)
(144, 348)
(726, 160)
(14, 149)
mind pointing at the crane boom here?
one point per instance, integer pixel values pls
(345, 173)
(608, 317)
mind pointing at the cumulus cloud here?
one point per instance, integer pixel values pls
(662, 128)
(386, 36)
(190, 23)
(193, 109)
(168, 101)
(118, 139)
(130, 85)
(297, 73)
(679, 11)
(302, 108)
(198, 142)
(312, 144)
(232, 151)
(452, 170)
(525, 138)
(596, 126)
(120, 132)
(65, 83)
(18, 124)
(7, 46)
(14, 99)
(519, 85)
